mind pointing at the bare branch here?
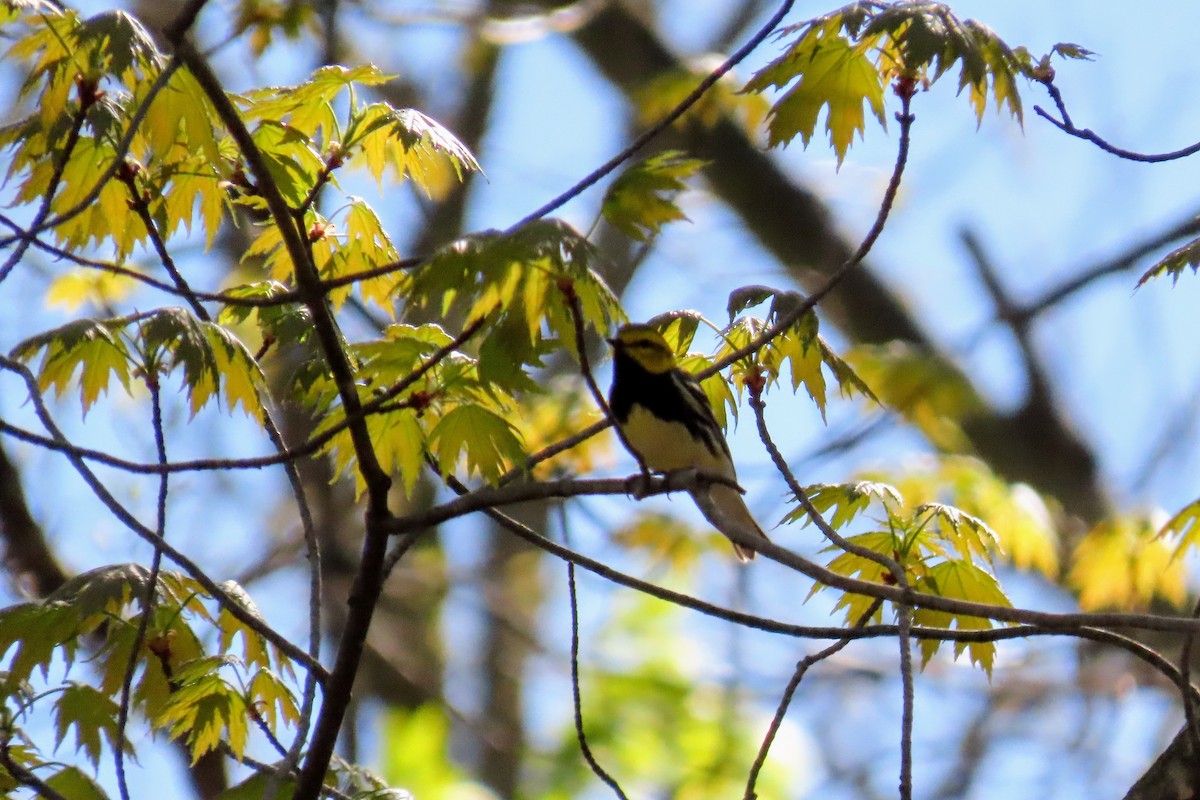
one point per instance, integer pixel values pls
(148, 602)
(140, 204)
(576, 697)
(789, 691)
(660, 126)
(1068, 127)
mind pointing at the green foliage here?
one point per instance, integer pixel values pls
(263, 20)
(451, 408)
(89, 346)
(488, 441)
(840, 61)
(846, 501)
(800, 347)
(832, 74)
(409, 143)
(661, 95)
(961, 580)
(945, 550)
(92, 714)
(522, 278)
(414, 754)
(926, 389)
(203, 709)
(212, 363)
(640, 201)
(653, 718)
(200, 698)
(75, 784)
(667, 541)
(1174, 263)
(1185, 526)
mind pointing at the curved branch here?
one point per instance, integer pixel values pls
(789, 691)
(1067, 126)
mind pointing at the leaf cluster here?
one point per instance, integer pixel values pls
(837, 62)
(945, 550)
(177, 687)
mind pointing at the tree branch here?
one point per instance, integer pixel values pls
(802, 667)
(576, 697)
(660, 126)
(1067, 126)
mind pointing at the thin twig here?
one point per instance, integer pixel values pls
(86, 99)
(312, 543)
(890, 564)
(576, 695)
(148, 601)
(907, 695)
(903, 609)
(184, 20)
(1130, 258)
(802, 667)
(399, 550)
(1067, 126)
(660, 126)
(140, 204)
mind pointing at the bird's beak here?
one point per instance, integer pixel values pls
(613, 342)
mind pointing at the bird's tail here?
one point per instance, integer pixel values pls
(726, 511)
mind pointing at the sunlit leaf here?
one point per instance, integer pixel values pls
(210, 358)
(489, 441)
(93, 716)
(960, 580)
(832, 75)
(205, 710)
(97, 288)
(1122, 564)
(641, 200)
(927, 389)
(970, 535)
(74, 783)
(88, 346)
(845, 500)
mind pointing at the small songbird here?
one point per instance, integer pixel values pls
(666, 417)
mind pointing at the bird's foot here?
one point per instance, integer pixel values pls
(682, 479)
(638, 485)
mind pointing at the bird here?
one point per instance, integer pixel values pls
(664, 416)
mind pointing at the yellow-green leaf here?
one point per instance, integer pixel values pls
(1121, 563)
(88, 345)
(489, 441)
(641, 200)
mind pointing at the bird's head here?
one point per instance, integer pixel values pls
(646, 346)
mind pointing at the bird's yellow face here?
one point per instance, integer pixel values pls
(646, 346)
